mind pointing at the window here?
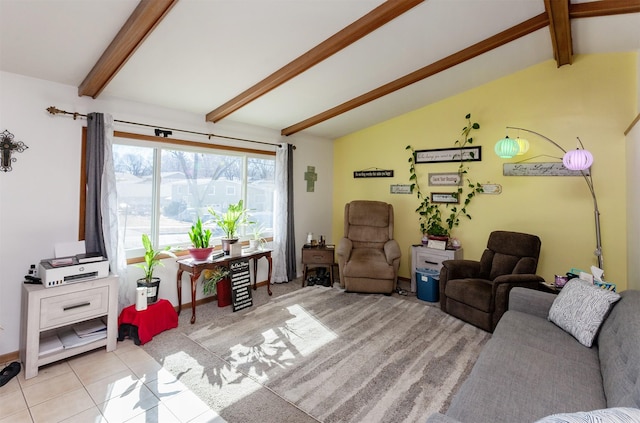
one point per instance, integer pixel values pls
(164, 186)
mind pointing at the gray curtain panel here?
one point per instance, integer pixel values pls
(94, 238)
(290, 250)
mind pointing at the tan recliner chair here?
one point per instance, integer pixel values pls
(368, 256)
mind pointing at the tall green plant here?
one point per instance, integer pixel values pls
(231, 220)
(199, 236)
(152, 257)
(430, 214)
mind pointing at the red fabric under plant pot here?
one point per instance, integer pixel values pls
(224, 292)
(157, 318)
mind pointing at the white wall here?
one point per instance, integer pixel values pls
(39, 198)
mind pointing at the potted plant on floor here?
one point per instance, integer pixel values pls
(200, 240)
(152, 258)
(216, 281)
(230, 222)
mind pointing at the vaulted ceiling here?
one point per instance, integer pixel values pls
(326, 67)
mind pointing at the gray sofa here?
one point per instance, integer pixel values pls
(531, 368)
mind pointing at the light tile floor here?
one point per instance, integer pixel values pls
(126, 385)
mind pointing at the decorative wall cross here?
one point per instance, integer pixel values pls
(311, 177)
(7, 147)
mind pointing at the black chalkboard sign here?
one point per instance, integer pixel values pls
(240, 284)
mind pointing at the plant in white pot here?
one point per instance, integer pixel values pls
(152, 258)
(230, 222)
(200, 240)
(258, 241)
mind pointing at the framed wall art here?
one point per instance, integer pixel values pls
(445, 197)
(445, 155)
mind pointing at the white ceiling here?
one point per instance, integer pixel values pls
(206, 52)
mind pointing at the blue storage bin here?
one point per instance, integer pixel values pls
(428, 284)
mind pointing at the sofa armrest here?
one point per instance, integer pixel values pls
(392, 251)
(441, 418)
(461, 269)
(344, 248)
(531, 301)
(519, 279)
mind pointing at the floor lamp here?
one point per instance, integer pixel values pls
(578, 159)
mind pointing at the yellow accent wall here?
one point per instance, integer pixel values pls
(594, 99)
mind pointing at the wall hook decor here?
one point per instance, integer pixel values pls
(7, 147)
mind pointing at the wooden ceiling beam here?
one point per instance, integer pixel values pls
(603, 8)
(502, 38)
(560, 30)
(144, 19)
(373, 20)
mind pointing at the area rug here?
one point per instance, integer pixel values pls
(346, 357)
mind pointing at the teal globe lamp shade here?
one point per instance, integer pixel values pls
(507, 148)
(578, 159)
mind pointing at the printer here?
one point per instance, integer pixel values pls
(79, 268)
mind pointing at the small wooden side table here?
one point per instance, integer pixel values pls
(549, 287)
(318, 257)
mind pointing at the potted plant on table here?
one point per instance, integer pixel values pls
(258, 241)
(200, 240)
(152, 258)
(435, 230)
(230, 222)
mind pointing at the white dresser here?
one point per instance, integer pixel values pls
(47, 311)
(430, 258)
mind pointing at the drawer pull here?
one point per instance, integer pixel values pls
(431, 262)
(76, 306)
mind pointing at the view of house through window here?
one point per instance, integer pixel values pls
(162, 189)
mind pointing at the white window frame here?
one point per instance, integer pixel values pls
(158, 144)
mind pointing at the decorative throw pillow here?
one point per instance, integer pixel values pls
(580, 309)
(607, 415)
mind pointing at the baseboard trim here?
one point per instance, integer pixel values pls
(11, 356)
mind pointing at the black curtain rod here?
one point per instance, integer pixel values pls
(54, 111)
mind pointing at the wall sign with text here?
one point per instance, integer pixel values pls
(444, 155)
(540, 169)
(452, 179)
(240, 284)
(377, 173)
(445, 197)
(401, 189)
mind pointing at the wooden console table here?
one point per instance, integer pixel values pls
(195, 268)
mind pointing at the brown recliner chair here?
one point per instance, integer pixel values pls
(368, 256)
(478, 291)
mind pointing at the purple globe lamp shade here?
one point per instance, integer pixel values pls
(578, 159)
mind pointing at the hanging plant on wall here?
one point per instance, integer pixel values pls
(431, 214)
